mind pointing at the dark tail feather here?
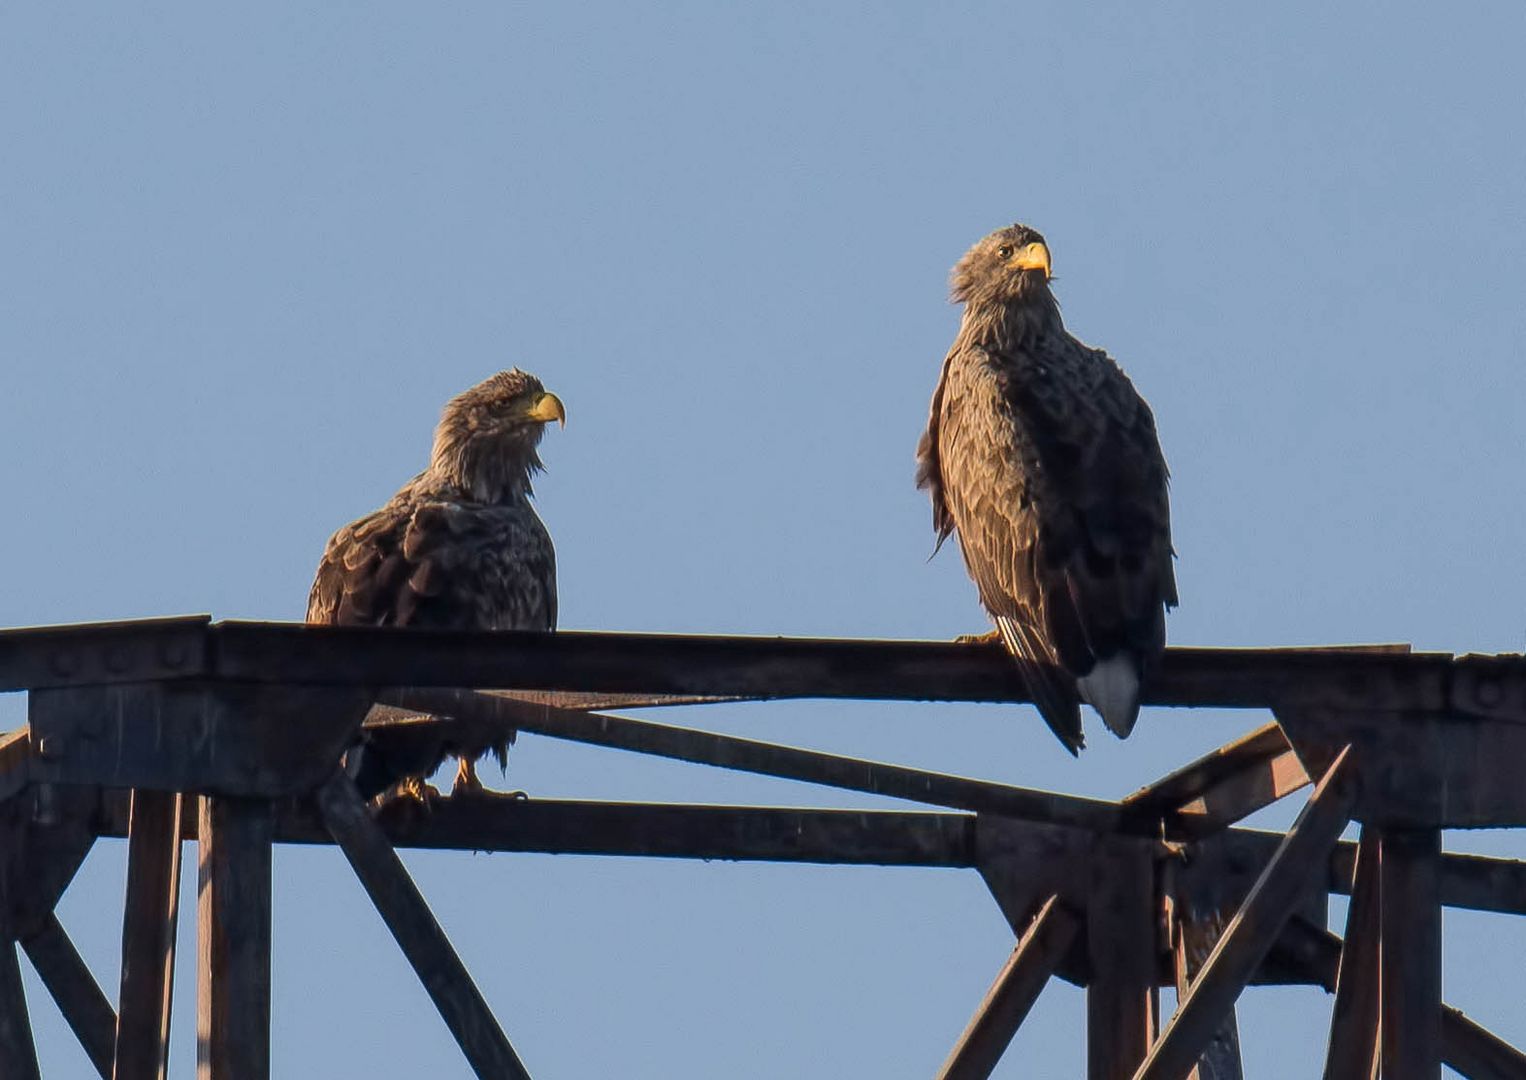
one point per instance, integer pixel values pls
(1053, 691)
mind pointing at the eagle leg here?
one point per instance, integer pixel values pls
(468, 786)
(466, 782)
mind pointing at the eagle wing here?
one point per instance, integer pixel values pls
(435, 563)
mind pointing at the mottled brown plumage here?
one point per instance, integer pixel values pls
(1043, 458)
(460, 546)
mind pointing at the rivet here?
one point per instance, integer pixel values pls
(174, 654)
(1489, 692)
(64, 662)
(50, 747)
(117, 659)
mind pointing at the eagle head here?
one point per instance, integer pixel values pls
(1009, 266)
(485, 441)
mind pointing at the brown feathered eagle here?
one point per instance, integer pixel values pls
(460, 547)
(1043, 458)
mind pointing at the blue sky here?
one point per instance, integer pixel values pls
(245, 256)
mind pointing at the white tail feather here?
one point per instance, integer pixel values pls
(1112, 688)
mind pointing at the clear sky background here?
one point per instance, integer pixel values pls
(246, 255)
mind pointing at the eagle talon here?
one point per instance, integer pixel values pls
(991, 637)
(408, 796)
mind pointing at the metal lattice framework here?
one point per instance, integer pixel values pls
(230, 734)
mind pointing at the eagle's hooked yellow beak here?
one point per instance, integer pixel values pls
(1034, 256)
(548, 407)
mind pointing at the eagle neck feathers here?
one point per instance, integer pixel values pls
(1010, 325)
(488, 472)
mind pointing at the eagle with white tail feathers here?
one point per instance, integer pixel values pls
(1043, 458)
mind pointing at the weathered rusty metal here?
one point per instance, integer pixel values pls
(35, 658)
(1478, 882)
(1190, 781)
(1193, 942)
(149, 922)
(503, 823)
(74, 990)
(770, 759)
(233, 939)
(15, 762)
(1409, 862)
(18, 1051)
(1493, 687)
(878, 837)
(404, 910)
(45, 834)
(1016, 988)
(1122, 954)
(1353, 1047)
(797, 667)
(1373, 678)
(196, 736)
(1255, 926)
(264, 711)
(1470, 1049)
(1477, 1053)
(1200, 889)
(1222, 787)
(1420, 769)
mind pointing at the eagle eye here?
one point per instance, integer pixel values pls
(1005, 251)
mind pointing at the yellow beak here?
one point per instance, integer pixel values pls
(548, 407)
(1034, 256)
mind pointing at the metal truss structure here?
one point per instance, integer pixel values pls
(231, 734)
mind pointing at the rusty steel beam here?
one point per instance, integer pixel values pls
(1238, 797)
(799, 667)
(18, 1051)
(33, 658)
(573, 699)
(149, 922)
(233, 939)
(1200, 891)
(1121, 955)
(504, 823)
(1192, 780)
(1194, 942)
(1016, 988)
(769, 759)
(1465, 1046)
(245, 740)
(1476, 882)
(1255, 926)
(1409, 863)
(780, 834)
(406, 913)
(1223, 787)
(490, 822)
(74, 990)
(1353, 1046)
(602, 663)
(1476, 1052)
(15, 761)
